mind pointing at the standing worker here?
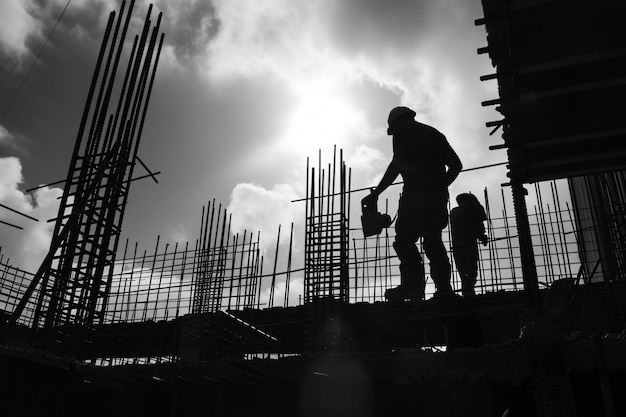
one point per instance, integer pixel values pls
(466, 225)
(428, 165)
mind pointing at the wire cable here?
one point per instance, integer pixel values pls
(29, 73)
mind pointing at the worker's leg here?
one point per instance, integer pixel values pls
(468, 279)
(439, 262)
(437, 220)
(412, 278)
(463, 260)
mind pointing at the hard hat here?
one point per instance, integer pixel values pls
(397, 112)
(465, 197)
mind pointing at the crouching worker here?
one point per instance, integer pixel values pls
(428, 165)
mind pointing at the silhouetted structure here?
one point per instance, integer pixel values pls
(327, 225)
(73, 281)
(226, 270)
(599, 202)
(198, 331)
(560, 73)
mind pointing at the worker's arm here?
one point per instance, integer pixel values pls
(453, 162)
(388, 178)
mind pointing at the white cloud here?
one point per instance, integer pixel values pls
(21, 20)
(296, 292)
(189, 26)
(149, 293)
(27, 247)
(368, 165)
(16, 25)
(302, 45)
(254, 208)
(179, 234)
(264, 36)
(5, 136)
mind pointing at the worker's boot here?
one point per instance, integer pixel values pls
(403, 293)
(444, 291)
(468, 292)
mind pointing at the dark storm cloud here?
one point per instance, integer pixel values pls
(43, 114)
(439, 32)
(372, 25)
(88, 18)
(190, 26)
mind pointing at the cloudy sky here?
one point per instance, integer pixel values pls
(245, 92)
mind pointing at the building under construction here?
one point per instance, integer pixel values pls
(106, 328)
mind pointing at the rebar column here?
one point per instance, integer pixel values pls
(75, 277)
(529, 268)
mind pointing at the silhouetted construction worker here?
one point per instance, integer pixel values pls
(466, 225)
(428, 165)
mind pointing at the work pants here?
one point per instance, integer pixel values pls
(466, 258)
(424, 215)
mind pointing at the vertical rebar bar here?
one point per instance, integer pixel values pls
(288, 273)
(273, 283)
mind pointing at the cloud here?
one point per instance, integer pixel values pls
(263, 37)
(16, 26)
(190, 26)
(320, 48)
(368, 165)
(22, 21)
(296, 292)
(395, 25)
(5, 137)
(26, 248)
(150, 293)
(254, 208)
(13, 142)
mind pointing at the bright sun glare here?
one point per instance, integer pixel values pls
(322, 118)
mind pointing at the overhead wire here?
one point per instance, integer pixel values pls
(402, 182)
(14, 98)
(29, 73)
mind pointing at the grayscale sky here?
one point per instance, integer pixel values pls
(245, 92)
